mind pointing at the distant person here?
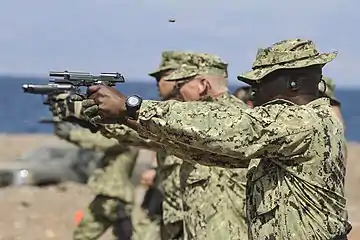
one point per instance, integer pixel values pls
(111, 184)
(167, 174)
(328, 90)
(213, 198)
(244, 94)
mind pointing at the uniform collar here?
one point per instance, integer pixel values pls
(218, 98)
(315, 103)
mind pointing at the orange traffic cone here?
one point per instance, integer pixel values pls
(78, 216)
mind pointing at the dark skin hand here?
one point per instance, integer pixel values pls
(106, 105)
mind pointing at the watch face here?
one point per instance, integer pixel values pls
(133, 101)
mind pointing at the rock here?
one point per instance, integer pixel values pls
(25, 204)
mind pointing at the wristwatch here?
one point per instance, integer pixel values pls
(133, 103)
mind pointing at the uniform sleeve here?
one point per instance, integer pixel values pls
(221, 135)
(86, 139)
(126, 135)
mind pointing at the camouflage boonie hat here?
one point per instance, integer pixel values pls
(193, 64)
(327, 87)
(167, 62)
(286, 54)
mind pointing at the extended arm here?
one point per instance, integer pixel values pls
(126, 135)
(214, 134)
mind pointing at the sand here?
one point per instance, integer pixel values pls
(32, 213)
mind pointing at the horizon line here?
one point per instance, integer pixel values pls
(232, 81)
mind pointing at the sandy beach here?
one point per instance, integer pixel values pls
(31, 213)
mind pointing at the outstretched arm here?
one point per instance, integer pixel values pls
(214, 134)
(126, 135)
(208, 132)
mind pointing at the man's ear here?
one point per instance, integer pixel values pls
(204, 86)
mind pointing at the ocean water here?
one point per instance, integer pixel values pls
(20, 112)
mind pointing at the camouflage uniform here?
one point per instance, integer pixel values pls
(214, 198)
(294, 153)
(168, 170)
(169, 180)
(211, 195)
(110, 183)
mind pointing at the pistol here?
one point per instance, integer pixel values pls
(66, 81)
(85, 79)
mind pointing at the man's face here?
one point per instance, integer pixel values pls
(165, 88)
(192, 89)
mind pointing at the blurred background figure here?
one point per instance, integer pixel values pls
(245, 94)
(327, 89)
(110, 183)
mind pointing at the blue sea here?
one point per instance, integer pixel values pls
(20, 112)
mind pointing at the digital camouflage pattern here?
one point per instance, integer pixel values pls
(98, 217)
(307, 197)
(117, 165)
(110, 183)
(90, 227)
(295, 154)
(113, 177)
(192, 64)
(287, 54)
(290, 141)
(202, 187)
(169, 60)
(214, 197)
(327, 87)
(128, 136)
(168, 168)
(169, 179)
(168, 171)
(144, 228)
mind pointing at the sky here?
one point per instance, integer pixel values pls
(128, 35)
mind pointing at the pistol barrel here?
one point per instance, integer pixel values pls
(46, 88)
